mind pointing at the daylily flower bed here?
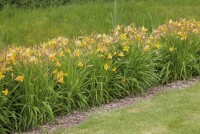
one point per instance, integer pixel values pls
(56, 77)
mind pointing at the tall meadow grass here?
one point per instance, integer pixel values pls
(29, 27)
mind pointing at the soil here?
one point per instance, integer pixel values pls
(77, 117)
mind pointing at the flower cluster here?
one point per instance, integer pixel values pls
(181, 29)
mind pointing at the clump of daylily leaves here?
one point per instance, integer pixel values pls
(38, 83)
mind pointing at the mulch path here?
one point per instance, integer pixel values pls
(79, 116)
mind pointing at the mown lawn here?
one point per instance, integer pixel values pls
(172, 112)
(30, 27)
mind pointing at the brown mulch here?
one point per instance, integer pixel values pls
(79, 116)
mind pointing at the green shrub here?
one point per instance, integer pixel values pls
(33, 3)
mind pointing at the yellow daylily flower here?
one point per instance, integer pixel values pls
(1, 76)
(118, 27)
(54, 71)
(61, 54)
(80, 64)
(20, 78)
(157, 45)
(33, 59)
(109, 56)
(7, 69)
(86, 39)
(138, 38)
(126, 48)
(144, 29)
(61, 80)
(123, 80)
(123, 37)
(5, 92)
(100, 55)
(182, 35)
(106, 66)
(61, 74)
(114, 69)
(52, 56)
(98, 49)
(77, 53)
(121, 54)
(196, 31)
(58, 64)
(68, 50)
(146, 48)
(12, 56)
(171, 49)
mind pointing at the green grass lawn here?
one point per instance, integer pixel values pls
(30, 27)
(172, 112)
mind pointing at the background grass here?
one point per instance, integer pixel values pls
(32, 26)
(171, 112)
